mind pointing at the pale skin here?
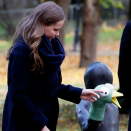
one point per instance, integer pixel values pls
(51, 32)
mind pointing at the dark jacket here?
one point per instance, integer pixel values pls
(31, 103)
(124, 70)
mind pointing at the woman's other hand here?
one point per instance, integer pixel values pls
(90, 95)
(45, 129)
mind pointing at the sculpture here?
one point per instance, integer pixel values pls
(90, 118)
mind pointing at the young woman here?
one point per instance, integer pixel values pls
(34, 74)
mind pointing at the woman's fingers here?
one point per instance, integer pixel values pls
(91, 100)
(94, 98)
(90, 94)
(95, 94)
(98, 91)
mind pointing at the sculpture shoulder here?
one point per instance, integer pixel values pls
(111, 111)
(82, 113)
(83, 106)
(110, 121)
(111, 118)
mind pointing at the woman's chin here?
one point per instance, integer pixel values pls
(53, 37)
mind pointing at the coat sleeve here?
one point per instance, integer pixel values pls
(124, 68)
(19, 68)
(70, 93)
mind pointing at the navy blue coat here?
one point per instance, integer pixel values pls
(28, 105)
(124, 70)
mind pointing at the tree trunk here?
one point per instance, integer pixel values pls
(91, 21)
(64, 4)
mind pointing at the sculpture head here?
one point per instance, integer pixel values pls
(96, 74)
(108, 96)
(97, 109)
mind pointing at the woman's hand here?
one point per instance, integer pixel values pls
(45, 129)
(90, 95)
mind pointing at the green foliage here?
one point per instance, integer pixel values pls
(114, 3)
(119, 5)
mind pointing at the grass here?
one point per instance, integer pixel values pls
(4, 41)
(2, 32)
(3, 90)
(4, 46)
(103, 37)
(106, 35)
(67, 120)
(110, 36)
(69, 38)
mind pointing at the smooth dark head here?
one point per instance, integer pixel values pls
(97, 73)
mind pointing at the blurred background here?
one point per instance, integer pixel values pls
(92, 32)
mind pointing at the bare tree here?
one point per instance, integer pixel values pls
(8, 19)
(5, 19)
(91, 22)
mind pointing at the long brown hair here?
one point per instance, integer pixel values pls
(31, 29)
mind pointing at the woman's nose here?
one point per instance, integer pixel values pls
(57, 34)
